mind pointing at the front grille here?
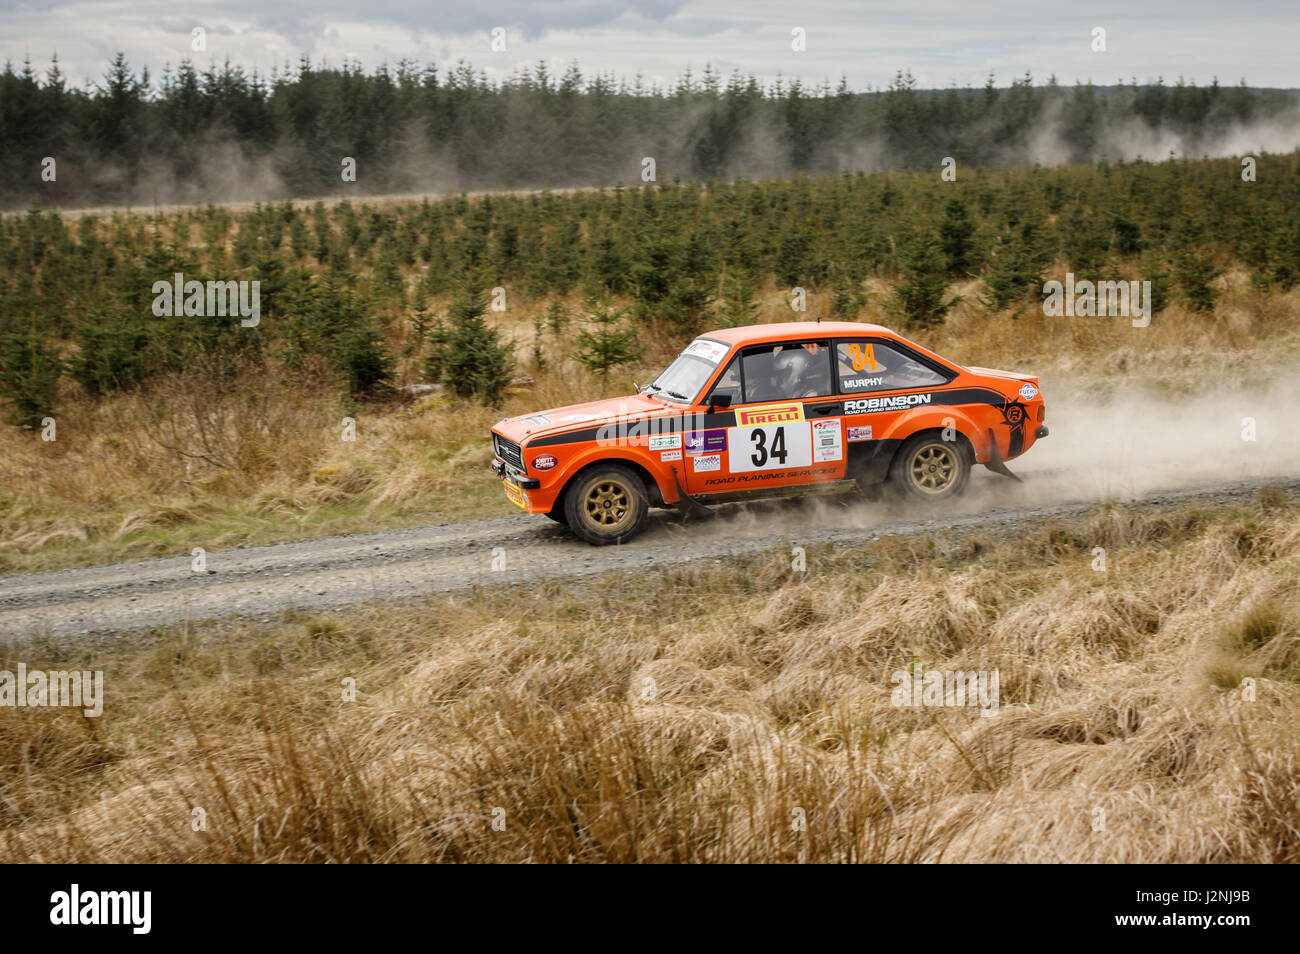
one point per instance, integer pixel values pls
(508, 451)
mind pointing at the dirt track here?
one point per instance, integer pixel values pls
(336, 572)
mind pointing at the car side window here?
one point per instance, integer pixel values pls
(875, 366)
(785, 371)
(728, 383)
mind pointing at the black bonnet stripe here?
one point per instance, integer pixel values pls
(673, 424)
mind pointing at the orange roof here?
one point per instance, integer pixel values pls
(793, 329)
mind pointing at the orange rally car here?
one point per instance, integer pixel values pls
(768, 409)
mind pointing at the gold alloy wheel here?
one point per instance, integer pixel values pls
(608, 504)
(933, 468)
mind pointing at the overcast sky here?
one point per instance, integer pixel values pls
(940, 41)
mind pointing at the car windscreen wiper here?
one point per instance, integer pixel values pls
(674, 394)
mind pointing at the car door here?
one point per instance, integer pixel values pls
(787, 431)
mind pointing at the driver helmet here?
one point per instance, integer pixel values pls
(794, 371)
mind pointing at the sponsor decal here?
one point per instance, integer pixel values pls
(539, 419)
(659, 442)
(863, 382)
(895, 402)
(671, 455)
(706, 442)
(1029, 392)
(859, 433)
(710, 351)
(543, 462)
(815, 472)
(515, 494)
(769, 414)
(705, 462)
(826, 441)
(575, 418)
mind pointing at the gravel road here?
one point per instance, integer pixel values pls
(336, 572)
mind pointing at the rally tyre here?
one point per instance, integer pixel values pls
(930, 468)
(606, 504)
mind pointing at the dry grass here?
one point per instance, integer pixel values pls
(698, 713)
(201, 460)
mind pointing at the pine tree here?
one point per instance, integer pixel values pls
(739, 306)
(539, 354)
(1082, 243)
(1195, 271)
(610, 342)
(1155, 272)
(29, 376)
(918, 299)
(468, 355)
(957, 236)
(557, 318)
(847, 297)
(1284, 257)
(1015, 271)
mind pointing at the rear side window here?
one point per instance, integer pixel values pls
(875, 366)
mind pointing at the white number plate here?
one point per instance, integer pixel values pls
(769, 447)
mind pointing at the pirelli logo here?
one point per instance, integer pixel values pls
(769, 414)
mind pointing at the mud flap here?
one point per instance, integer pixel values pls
(688, 505)
(995, 462)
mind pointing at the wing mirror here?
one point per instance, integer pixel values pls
(720, 400)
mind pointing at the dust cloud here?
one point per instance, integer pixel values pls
(1121, 444)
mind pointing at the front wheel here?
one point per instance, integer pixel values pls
(607, 504)
(929, 468)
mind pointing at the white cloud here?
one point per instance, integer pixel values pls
(940, 41)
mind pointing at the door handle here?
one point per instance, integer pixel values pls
(826, 409)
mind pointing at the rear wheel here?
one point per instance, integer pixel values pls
(929, 468)
(607, 504)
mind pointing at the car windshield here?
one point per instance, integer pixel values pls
(688, 374)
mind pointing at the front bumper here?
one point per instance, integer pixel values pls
(516, 486)
(1041, 433)
(519, 480)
